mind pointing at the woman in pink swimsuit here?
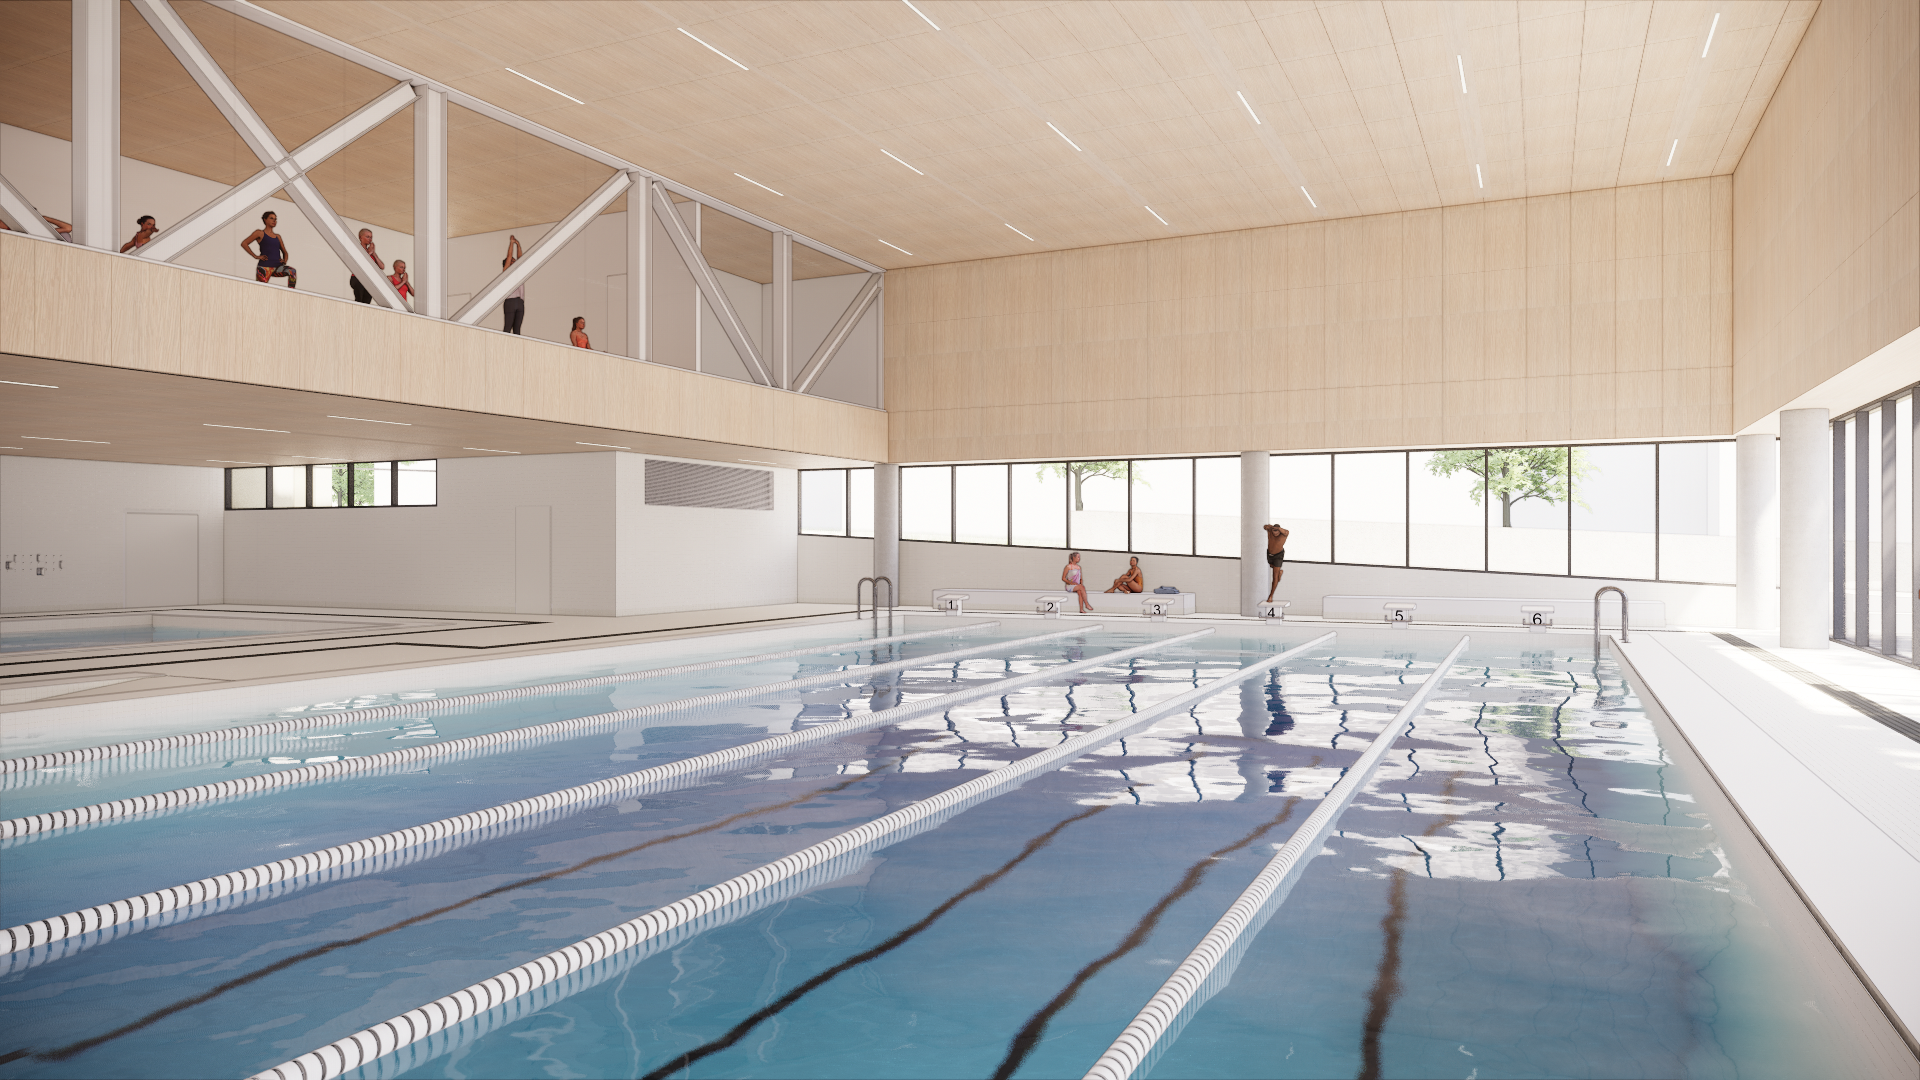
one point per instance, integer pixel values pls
(1071, 577)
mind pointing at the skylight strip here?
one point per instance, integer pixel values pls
(758, 184)
(716, 52)
(1063, 135)
(896, 157)
(544, 86)
(920, 13)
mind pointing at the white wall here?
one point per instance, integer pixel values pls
(457, 556)
(683, 558)
(830, 565)
(41, 167)
(73, 514)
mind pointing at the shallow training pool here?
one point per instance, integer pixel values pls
(1539, 881)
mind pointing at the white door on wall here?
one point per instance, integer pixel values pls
(533, 560)
(163, 560)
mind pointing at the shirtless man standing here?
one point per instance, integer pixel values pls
(1276, 555)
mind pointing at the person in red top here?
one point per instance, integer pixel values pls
(579, 335)
(398, 279)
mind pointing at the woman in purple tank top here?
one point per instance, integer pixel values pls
(272, 256)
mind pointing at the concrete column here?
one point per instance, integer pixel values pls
(96, 125)
(1756, 536)
(429, 270)
(1806, 529)
(886, 523)
(1255, 469)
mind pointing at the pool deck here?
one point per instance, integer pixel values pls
(1832, 792)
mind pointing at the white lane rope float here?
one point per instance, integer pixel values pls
(14, 828)
(59, 758)
(368, 1045)
(1210, 965)
(377, 851)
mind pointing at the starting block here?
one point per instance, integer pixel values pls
(950, 603)
(1272, 610)
(1050, 607)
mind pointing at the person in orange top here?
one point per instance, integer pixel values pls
(579, 335)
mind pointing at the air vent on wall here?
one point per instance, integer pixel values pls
(683, 483)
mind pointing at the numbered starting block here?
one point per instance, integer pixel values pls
(1537, 620)
(1272, 610)
(1050, 607)
(951, 603)
(1158, 607)
(1399, 614)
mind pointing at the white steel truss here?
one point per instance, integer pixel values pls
(836, 337)
(20, 214)
(709, 285)
(543, 249)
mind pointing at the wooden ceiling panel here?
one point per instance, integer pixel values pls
(1362, 96)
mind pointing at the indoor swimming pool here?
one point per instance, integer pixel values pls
(830, 861)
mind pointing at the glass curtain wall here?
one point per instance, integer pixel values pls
(1874, 501)
(1637, 511)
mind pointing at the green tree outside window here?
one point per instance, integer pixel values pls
(1517, 474)
(1079, 472)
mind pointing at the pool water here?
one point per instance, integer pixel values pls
(1539, 881)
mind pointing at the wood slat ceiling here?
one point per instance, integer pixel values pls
(1361, 101)
(94, 413)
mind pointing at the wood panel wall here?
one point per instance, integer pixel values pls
(70, 303)
(1825, 222)
(1595, 315)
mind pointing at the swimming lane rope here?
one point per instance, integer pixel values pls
(1208, 967)
(57, 758)
(13, 828)
(338, 1057)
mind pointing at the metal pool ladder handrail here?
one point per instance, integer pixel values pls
(1597, 594)
(893, 600)
(1211, 963)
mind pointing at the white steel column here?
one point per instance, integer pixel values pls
(886, 522)
(639, 266)
(96, 123)
(429, 270)
(1806, 529)
(780, 336)
(1255, 468)
(1756, 533)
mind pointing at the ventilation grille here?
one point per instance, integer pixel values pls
(682, 483)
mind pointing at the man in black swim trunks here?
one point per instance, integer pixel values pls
(1276, 555)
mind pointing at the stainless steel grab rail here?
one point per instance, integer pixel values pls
(893, 601)
(1624, 634)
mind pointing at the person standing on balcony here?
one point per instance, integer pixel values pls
(148, 227)
(360, 293)
(515, 306)
(398, 279)
(579, 335)
(273, 252)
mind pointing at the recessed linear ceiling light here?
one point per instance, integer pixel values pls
(310, 457)
(920, 13)
(1243, 100)
(607, 446)
(1156, 216)
(364, 420)
(1063, 135)
(484, 450)
(1710, 30)
(716, 52)
(1670, 153)
(758, 184)
(896, 157)
(751, 461)
(1309, 196)
(897, 248)
(49, 438)
(237, 427)
(1477, 176)
(12, 448)
(1021, 233)
(1462, 61)
(45, 386)
(544, 86)
(223, 461)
